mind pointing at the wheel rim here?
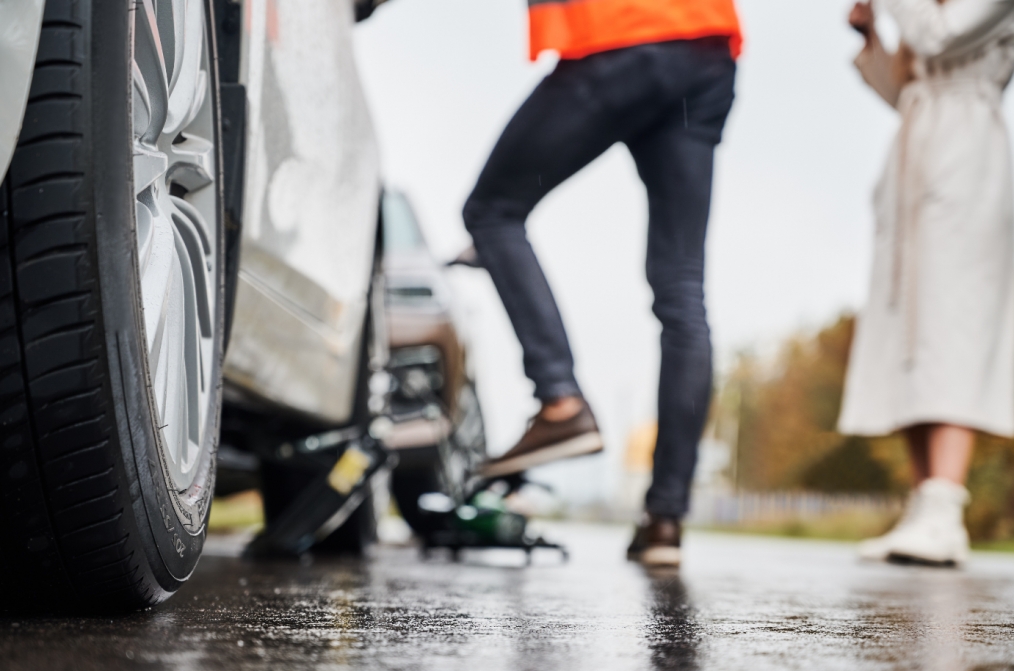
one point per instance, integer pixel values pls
(174, 168)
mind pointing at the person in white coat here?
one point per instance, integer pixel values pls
(933, 355)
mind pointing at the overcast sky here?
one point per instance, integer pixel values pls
(790, 236)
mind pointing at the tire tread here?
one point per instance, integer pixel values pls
(68, 543)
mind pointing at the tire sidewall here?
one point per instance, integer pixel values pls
(172, 524)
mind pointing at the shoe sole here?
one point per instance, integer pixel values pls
(912, 560)
(661, 556)
(578, 446)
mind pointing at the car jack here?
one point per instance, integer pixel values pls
(483, 523)
(347, 462)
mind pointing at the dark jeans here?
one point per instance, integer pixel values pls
(668, 103)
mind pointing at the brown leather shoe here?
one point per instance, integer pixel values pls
(547, 441)
(657, 542)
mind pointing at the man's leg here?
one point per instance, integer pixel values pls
(678, 220)
(562, 127)
(675, 161)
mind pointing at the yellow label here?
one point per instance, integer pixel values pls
(348, 471)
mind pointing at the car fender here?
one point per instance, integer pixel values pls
(20, 24)
(309, 204)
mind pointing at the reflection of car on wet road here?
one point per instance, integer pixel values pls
(136, 141)
(437, 427)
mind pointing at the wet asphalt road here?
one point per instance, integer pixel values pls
(738, 603)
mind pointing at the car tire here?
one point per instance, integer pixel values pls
(108, 426)
(426, 471)
(358, 532)
(407, 485)
(282, 483)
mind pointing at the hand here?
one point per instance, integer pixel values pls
(861, 19)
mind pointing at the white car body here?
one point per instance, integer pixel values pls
(311, 199)
(20, 23)
(312, 193)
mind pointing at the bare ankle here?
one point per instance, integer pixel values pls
(561, 409)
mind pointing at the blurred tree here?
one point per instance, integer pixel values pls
(787, 418)
(850, 467)
(782, 416)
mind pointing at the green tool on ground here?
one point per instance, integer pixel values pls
(484, 522)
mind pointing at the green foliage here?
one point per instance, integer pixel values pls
(850, 467)
(242, 511)
(990, 516)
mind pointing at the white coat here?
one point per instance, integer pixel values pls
(935, 341)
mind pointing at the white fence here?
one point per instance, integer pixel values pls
(716, 508)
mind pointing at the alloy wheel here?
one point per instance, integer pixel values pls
(174, 166)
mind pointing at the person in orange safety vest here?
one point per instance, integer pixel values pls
(658, 76)
(578, 28)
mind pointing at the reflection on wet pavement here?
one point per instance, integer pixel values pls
(739, 603)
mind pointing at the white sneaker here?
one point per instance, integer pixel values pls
(879, 548)
(936, 534)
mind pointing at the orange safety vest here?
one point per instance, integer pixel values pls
(577, 28)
